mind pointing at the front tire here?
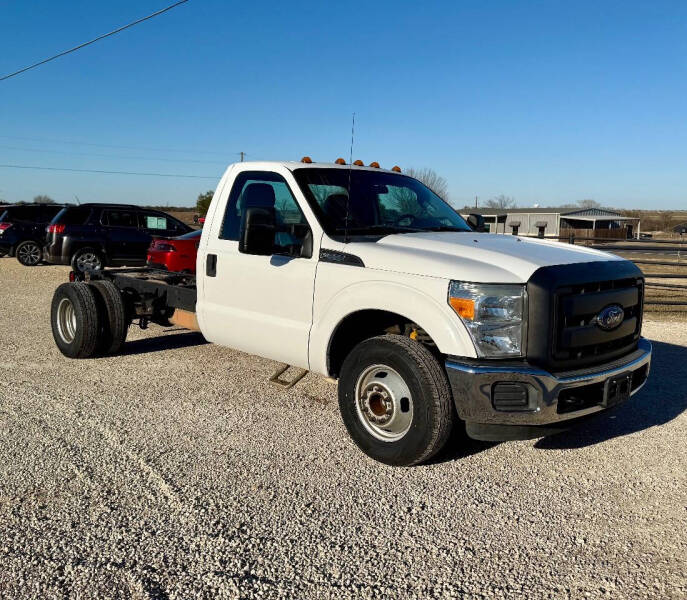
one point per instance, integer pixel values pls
(28, 253)
(87, 259)
(395, 400)
(75, 320)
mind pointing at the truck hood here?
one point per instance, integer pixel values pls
(467, 256)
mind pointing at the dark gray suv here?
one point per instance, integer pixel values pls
(92, 236)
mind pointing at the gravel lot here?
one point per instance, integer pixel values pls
(177, 471)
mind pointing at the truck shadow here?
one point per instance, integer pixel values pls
(459, 446)
(164, 342)
(662, 399)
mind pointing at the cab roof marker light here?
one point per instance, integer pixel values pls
(374, 164)
(306, 159)
(358, 163)
(340, 161)
(396, 169)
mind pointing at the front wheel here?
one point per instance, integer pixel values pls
(395, 400)
(28, 253)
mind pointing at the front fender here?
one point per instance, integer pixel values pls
(422, 301)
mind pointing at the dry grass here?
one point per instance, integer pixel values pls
(185, 216)
(659, 289)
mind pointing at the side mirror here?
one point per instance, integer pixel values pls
(476, 223)
(258, 226)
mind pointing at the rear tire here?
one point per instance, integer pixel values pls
(75, 320)
(29, 253)
(87, 259)
(395, 400)
(113, 318)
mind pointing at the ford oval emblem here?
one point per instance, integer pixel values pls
(610, 317)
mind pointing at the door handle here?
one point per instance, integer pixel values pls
(211, 265)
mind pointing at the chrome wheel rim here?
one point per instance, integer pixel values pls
(66, 320)
(88, 261)
(384, 403)
(29, 254)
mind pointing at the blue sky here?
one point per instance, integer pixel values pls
(548, 102)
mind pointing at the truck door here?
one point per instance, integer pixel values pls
(259, 304)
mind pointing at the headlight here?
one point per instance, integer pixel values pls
(494, 315)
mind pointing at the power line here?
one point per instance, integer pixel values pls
(100, 37)
(91, 154)
(215, 177)
(147, 148)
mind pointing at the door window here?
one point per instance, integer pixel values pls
(119, 218)
(292, 226)
(23, 214)
(155, 222)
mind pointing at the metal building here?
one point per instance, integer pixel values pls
(552, 222)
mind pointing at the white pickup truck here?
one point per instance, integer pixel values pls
(366, 276)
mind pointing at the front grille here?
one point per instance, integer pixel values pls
(564, 302)
(578, 337)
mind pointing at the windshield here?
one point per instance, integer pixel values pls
(379, 203)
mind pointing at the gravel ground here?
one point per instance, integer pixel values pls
(177, 471)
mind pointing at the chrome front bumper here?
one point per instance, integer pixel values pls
(548, 410)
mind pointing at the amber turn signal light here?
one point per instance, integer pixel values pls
(464, 307)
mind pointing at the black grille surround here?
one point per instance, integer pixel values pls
(563, 302)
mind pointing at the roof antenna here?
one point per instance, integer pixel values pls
(77, 200)
(350, 168)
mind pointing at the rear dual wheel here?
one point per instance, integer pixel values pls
(75, 320)
(88, 319)
(114, 319)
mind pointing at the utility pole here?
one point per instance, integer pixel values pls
(475, 201)
(242, 153)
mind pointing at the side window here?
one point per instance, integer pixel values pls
(269, 189)
(24, 214)
(119, 218)
(155, 222)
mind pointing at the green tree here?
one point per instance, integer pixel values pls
(203, 202)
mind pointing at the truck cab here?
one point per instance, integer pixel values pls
(366, 276)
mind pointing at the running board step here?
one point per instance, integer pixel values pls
(282, 383)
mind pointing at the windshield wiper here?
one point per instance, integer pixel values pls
(379, 229)
(445, 228)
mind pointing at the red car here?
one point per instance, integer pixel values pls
(175, 254)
